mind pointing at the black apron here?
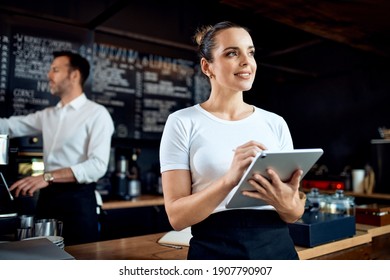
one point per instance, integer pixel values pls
(73, 204)
(242, 234)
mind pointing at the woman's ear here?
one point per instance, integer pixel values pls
(205, 65)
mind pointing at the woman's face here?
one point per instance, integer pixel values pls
(234, 66)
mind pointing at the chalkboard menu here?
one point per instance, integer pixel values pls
(140, 89)
(4, 58)
(139, 83)
(26, 57)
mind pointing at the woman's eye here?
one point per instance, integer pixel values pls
(231, 53)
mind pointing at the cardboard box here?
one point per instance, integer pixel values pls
(373, 214)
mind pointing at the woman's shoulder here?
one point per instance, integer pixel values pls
(185, 113)
(267, 114)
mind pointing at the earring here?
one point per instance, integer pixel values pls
(211, 76)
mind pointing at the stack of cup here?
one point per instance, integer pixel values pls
(34, 228)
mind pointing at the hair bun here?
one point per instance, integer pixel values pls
(201, 33)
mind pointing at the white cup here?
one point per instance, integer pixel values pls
(357, 180)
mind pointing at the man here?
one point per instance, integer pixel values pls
(76, 146)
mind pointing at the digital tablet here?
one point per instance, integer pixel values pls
(282, 162)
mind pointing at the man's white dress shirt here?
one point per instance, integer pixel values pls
(77, 135)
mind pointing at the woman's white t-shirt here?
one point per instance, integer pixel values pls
(195, 140)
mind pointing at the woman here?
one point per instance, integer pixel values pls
(206, 148)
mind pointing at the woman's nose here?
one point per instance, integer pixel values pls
(244, 60)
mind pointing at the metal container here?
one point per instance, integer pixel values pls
(26, 221)
(48, 227)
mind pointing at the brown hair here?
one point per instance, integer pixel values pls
(205, 38)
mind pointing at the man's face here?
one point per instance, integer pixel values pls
(59, 76)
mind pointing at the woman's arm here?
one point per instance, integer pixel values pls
(185, 208)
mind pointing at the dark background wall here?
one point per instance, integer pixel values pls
(332, 95)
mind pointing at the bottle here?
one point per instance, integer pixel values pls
(120, 179)
(134, 175)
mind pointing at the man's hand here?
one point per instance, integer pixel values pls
(28, 185)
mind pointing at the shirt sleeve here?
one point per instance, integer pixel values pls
(98, 150)
(286, 141)
(18, 126)
(174, 146)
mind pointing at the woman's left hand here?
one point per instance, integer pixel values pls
(284, 196)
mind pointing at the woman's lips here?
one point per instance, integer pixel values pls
(243, 75)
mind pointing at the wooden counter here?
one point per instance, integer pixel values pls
(360, 238)
(133, 248)
(374, 230)
(146, 247)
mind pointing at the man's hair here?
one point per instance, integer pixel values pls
(76, 62)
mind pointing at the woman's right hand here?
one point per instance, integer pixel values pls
(243, 157)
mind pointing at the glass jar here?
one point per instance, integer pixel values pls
(341, 204)
(316, 201)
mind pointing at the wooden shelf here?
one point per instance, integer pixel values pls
(155, 200)
(141, 201)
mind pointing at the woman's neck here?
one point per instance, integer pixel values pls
(226, 107)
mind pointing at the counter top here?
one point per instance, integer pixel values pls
(133, 248)
(361, 237)
(146, 247)
(374, 230)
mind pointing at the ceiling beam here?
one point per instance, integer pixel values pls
(108, 13)
(30, 14)
(294, 48)
(290, 70)
(362, 24)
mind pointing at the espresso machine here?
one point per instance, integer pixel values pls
(6, 197)
(8, 213)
